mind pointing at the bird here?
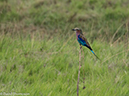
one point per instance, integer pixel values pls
(82, 40)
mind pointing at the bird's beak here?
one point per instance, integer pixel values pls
(73, 30)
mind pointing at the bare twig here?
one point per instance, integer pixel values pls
(83, 70)
(79, 70)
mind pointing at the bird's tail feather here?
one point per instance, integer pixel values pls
(94, 54)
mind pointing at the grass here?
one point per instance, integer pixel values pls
(28, 66)
(39, 53)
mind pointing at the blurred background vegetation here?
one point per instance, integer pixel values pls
(39, 51)
(99, 18)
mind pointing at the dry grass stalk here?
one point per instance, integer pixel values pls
(79, 70)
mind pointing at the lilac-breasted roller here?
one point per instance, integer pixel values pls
(82, 40)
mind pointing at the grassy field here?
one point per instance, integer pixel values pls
(39, 54)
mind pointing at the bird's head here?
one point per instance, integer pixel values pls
(77, 30)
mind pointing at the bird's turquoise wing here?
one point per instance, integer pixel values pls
(83, 41)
